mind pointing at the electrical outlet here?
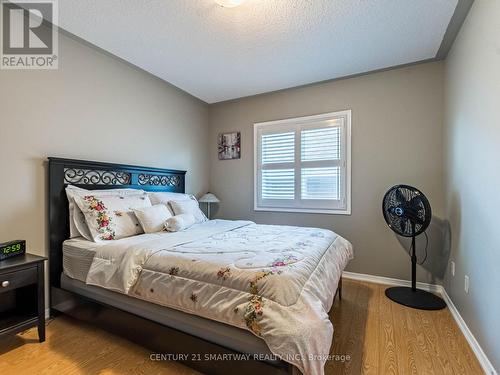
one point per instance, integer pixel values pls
(466, 284)
(452, 266)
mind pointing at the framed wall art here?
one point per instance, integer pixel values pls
(229, 146)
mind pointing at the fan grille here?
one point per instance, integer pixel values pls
(406, 210)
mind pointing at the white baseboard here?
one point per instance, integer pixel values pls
(476, 348)
(390, 281)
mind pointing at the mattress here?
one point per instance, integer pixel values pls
(78, 254)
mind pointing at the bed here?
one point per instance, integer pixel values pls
(231, 296)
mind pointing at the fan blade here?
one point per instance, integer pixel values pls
(416, 202)
(402, 225)
(419, 220)
(400, 196)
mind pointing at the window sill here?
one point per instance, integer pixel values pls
(304, 210)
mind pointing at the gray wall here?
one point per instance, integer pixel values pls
(396, 138)
(94, 107)
(472, 165)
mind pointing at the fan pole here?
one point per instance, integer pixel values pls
(413, 262)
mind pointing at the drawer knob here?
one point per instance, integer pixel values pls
(5, 283)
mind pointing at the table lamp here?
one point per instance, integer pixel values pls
(209, 198)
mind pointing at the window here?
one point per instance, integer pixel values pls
(303, 164)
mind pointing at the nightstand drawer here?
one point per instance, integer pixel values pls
(17, 279)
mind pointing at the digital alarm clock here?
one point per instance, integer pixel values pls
(12, 249)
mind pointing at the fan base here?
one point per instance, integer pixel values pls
(417, 299)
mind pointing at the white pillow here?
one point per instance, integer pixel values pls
(111, 217)
(77, 224)
(153, 218)
(188, 207)
(164, 197)
(179, 222)
(73, 230)
(81, 223)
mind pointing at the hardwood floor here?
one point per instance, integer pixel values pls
(379, 336)
(382, 337)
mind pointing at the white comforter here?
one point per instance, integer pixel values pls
(276, 281)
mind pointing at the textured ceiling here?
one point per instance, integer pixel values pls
(217, 53)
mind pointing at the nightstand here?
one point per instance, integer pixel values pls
(22, 295)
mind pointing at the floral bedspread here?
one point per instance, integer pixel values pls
(276, 281)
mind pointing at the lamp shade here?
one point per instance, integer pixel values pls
(209, 198)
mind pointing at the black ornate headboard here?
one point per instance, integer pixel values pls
(95, 175)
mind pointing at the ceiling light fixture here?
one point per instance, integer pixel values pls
(229, 3)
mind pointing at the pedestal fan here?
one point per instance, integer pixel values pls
(408, 213)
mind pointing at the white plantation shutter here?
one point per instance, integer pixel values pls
(320, 183)
(320, 144)
(278, 184)
(278, 148)
(278, 173)
(303, 164)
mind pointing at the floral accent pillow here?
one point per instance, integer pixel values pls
(78, 225)
(112, 217)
